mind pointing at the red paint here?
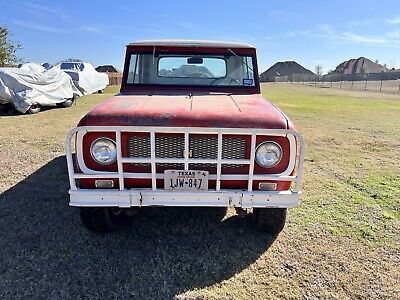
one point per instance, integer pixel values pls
(129, 89)
(143, 183)
(223, 111)
(171, 106)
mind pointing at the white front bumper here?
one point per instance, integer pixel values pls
(222, 198)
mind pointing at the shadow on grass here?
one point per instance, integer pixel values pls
(45, 251)
(7, 110)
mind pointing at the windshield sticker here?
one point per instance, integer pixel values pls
(247, 81)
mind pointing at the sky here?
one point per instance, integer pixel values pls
(310, 32)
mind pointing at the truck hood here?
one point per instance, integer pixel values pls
(211, 110)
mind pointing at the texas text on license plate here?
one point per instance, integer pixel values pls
(176, 180)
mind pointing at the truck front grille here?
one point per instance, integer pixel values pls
(201, 147)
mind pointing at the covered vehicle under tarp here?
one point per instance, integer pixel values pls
(32, 84)
(85, 76)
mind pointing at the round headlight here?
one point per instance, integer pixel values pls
(103, 151)
(268, 154)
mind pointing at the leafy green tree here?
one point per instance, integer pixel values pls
(8, 49)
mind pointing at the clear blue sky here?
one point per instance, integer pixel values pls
(310, 32)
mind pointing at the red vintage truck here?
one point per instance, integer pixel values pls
(189, 128)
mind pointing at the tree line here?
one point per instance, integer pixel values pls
(8, 49)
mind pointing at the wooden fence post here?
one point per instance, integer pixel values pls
(366, 80)
(380, 88)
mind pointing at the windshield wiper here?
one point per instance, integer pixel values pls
(238, 57)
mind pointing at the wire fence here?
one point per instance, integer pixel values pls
(385, 82)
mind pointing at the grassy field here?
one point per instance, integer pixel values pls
(341, 243)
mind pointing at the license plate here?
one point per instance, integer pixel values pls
(176, 180)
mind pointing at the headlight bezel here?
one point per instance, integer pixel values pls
(264, 143)
(101, 162)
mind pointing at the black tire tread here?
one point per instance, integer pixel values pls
(97, 219)
(66, 103)
(270, 220)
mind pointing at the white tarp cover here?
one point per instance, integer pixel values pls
(85, 76)
(32, 83)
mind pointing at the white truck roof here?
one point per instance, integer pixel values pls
(191, 43)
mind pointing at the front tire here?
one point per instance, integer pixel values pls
(97, 219)
(270, 220)
(104, 219)
(67, 103)
(214, 214)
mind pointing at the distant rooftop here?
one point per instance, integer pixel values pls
(359, 65)
(191, 43)
(107, 68)
(284, 68)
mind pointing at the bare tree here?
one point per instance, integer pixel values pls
(318, 70)
(8, 49)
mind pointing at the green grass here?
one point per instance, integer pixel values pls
(341, 243)
(352, 170)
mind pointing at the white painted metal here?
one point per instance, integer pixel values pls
(226, 131)
(184, 160)
(252, 161)
(147, 197)
(190, 43)
(296, 144)
(119, 161)
(219, 159)
(153, 157)
(186, 150)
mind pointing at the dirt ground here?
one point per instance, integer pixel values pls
(341, 243)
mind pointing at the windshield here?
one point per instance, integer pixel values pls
(78, 66)
(196, 70)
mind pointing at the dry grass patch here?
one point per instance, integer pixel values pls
(341, 243)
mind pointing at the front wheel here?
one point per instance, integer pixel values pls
(270, 220)
(67, 103)
(103, 219)
(212, 214)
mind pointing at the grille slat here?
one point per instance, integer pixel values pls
(169, 146)
(201, 147)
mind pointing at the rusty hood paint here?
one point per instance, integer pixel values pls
(211, 110)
